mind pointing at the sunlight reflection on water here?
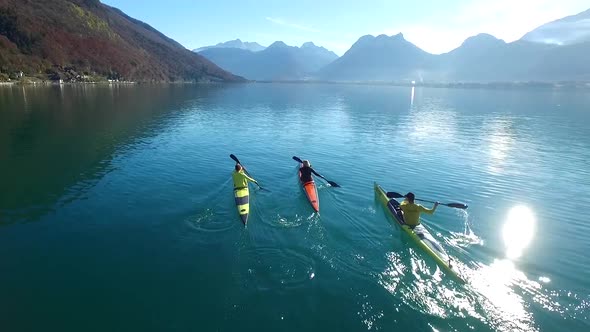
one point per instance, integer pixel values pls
(518, 230)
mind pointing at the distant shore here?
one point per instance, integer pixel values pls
(459, 85)
(50, 82)
(39, 82)
(451, 85)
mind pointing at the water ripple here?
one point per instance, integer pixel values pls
(274, 268)
(149, 168)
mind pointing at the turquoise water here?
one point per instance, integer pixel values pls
(116, 208)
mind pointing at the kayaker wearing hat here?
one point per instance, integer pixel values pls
(240, 178)
(306, 172)
(412, 210)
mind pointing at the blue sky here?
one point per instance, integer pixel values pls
(434, 25)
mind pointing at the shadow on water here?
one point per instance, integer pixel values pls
(57, 142)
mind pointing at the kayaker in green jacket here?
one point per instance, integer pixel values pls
(241, 178)
(412, 210)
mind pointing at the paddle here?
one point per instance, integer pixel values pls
(392, 194)
(332, 183)
(232, 156)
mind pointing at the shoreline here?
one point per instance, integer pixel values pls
(580, 85)
(450, 85)
(63, 83)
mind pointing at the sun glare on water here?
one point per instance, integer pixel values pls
(518, 231)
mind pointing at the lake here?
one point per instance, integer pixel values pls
(117, 212)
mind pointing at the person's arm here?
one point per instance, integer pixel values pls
(316, 173)
(245, 174)
(249, 178)
(428, 211)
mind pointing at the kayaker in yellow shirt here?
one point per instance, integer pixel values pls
(241, 178)
(412, 210)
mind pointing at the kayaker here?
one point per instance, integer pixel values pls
(240, 178)
(306, 172)
(412, 210)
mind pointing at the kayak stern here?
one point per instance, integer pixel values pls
(242, 198)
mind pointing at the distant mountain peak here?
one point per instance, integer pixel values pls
(236, 43)
(278, 62)
(312, 46)
(379, 58)
(233, 41)
(364, 39)
(484, 36)
(382, 40)
(399, 36)
(482, 39)
(278, 44)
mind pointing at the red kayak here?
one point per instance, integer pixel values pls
(311, 192)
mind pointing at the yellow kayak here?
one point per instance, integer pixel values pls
(419, 234)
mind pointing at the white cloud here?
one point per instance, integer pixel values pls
(282, 22)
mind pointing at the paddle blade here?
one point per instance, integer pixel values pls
(391, 194)
(333, 184)
(457, 205)
(232, 156)
(298, 160)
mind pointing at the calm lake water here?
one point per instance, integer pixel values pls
(117, 213)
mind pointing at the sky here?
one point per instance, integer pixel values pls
(433, 25)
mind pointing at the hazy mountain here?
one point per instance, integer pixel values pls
(315, 57)
(277, 62)
(237, 43)
(481, 58)
(486, 58)
(566, 31)
(380, 58)
(71, 39)
(563, 63)
(227, 58)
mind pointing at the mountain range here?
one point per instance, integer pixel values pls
(278, 61)
(236, 43)
(77, 39)
(556, 51)
(482, 58)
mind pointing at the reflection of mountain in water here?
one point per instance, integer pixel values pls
(57, 142)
